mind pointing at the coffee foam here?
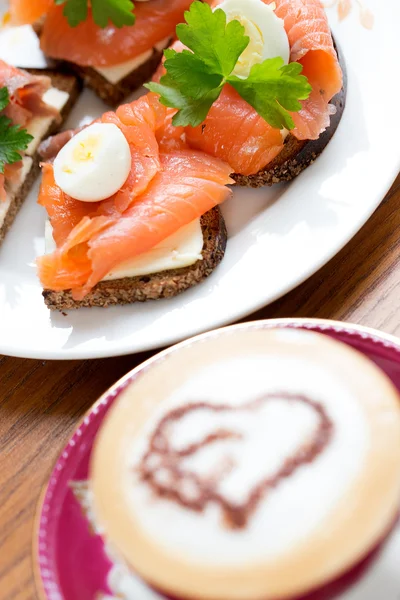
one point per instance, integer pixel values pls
(270, 435)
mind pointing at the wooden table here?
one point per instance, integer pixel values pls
(41, 401)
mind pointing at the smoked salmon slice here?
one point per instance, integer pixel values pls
(311, 44)
(64, 212)
(168, 187)
(138, 121)
(234, 131)
(89, 45)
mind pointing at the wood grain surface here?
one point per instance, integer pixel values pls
(41, 401)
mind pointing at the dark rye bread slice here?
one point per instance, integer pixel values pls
(165, 284)
(297, 155)
(67, 83)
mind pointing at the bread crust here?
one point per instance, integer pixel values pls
(297, 155)
(67, 83)
(19, 198)
(165, 284)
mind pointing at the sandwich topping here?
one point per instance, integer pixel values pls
(168, 186)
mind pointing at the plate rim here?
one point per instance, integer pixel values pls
(377, 337)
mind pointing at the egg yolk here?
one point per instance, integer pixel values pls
(253, 54)
(85, 150)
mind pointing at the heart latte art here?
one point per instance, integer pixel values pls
(163, 467)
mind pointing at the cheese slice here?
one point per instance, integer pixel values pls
(13, 188)
(284, 133)
(39, 126)
(115, 73)
(182, 249)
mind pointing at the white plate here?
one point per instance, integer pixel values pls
(277, 237)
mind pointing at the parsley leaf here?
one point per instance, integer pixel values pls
(186, 66)
(191, 110)
(13, 139)
(272, 89)
(75, 11)
(119, 12)
(194, 78)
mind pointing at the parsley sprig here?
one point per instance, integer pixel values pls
(119, 12)
(194, 78)
(13, 139)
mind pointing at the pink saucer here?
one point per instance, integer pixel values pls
(71, 562)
